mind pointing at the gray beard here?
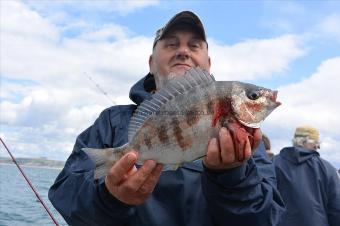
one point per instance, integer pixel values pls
(162, 80)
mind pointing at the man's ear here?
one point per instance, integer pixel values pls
(150, 63)
(207, 67)
(209, 63)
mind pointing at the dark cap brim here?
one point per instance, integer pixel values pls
(184, 17)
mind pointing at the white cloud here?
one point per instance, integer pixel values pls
(47, 100)
(44, 116)
(46, 141)
(106, 33)
(61, 63)
(313, 101)
(18, 20)
(120, 6)
(254, 59)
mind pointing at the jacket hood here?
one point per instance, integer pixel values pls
(297, 155)
(143, 89)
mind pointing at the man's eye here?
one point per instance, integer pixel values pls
(195, 45)
(171, 44)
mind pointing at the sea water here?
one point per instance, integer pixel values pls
(18, 204)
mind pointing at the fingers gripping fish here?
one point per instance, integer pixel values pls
(176, 125)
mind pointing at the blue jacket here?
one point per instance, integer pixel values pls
(190, 196)
(310, 188)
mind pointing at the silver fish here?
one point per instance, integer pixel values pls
(176, 125)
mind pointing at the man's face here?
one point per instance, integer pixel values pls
(311, 146)
(176, 53)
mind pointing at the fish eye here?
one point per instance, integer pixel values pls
(253, 95)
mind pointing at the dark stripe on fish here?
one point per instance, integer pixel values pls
(162, 134)
(192, 116)
(210, 107)
(147, 141)
(182, 142)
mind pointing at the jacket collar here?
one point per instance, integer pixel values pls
(143, 89)
(297, 155)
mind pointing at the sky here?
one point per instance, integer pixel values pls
(64, 62)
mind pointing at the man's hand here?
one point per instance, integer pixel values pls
(232, 148)
(129, 185)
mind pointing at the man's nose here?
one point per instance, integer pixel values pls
(183, 52)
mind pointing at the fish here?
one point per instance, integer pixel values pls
(176, 124)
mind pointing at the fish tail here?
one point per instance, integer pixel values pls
(105, 158)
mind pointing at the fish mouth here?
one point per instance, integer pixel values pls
(273, 98)
(254, 125)
(236, 119)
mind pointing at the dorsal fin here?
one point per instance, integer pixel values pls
(179, 85)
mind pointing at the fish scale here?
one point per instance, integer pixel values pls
(172, 130)
(176, 125)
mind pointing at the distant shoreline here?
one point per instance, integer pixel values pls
(34, 162)
(32, 166)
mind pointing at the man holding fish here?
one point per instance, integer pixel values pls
(142, 164)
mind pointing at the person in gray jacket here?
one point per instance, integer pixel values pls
(220, 190)
(309, 185)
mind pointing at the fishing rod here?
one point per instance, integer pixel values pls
(99, 88)
(30, 184)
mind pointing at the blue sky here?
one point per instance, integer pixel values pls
(49, 47)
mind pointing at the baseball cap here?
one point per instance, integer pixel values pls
(184, 17)
(308, 132)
